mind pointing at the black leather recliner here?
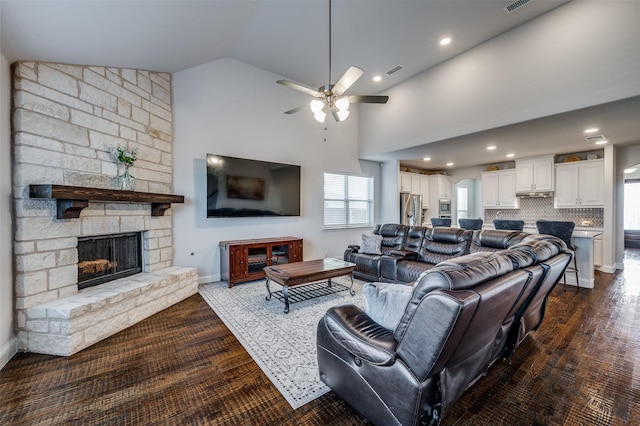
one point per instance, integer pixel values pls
(439, 244)
(459, 320)
(368, 265)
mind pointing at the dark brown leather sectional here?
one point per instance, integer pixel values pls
(465, 313)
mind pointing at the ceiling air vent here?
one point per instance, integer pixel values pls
(515, 5)
(596, 138)
(394, 69)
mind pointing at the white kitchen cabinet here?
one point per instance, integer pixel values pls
(405, 182)
(579, 184)
(535, 174)
(415, 183)
(499, 190)
(440, 187)
(597, 250)
(424, 190)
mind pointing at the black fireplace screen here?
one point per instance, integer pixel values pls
(108, 257)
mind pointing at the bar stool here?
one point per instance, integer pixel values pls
(472, 224)
(564, 231)
(512, 225)
(440, 221)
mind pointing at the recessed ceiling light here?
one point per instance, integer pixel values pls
(491, 147)
(631, 170)
(592, 130)
(510, 155)
(449, 164)
(377, 77)
(601, 142)
(445, 41)
(427, 158)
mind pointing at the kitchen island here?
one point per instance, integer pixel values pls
(588, 244)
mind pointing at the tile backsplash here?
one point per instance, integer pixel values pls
(532, 209)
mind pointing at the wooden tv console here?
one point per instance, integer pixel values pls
(244, 260)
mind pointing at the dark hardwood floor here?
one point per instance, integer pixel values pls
(183, 367)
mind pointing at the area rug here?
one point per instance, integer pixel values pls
(283, 345)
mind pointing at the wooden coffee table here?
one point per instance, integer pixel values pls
(304, 276)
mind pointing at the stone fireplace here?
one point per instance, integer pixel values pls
(66, 121)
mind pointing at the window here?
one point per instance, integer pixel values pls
(632, 205)
(348, 201)
(462, 202)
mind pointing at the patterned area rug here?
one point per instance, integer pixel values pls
(283, 345)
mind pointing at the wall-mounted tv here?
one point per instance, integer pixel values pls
(239, 187)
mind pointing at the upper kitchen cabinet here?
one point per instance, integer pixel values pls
(499, 190)
(580, 184)
(534, 174)
(415, 183)
(440, 187)
(406, 182)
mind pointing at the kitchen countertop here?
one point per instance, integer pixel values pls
(578, 232)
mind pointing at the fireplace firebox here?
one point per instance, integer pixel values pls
(105, 258)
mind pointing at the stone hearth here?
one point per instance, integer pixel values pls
(66, 121)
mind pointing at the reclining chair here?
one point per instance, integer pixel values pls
(445, 340)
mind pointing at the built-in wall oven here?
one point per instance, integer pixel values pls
(444, 208)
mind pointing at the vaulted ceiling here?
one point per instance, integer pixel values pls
(288, 38)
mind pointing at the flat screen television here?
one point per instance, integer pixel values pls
(239, 187)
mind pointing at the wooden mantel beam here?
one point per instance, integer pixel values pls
(72, 199)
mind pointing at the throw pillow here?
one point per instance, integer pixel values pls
(371, 244)
(385, 302)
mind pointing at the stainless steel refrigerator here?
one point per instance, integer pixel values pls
(410, 209)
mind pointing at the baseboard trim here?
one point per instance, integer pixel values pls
(8, 351)
(208, 278)
(610, 269)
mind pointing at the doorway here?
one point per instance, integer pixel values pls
(632, 206)
(468, 198)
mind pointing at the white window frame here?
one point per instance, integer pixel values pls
(349, 214)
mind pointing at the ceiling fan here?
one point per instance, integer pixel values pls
(329, 98)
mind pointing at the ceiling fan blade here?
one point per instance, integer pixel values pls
(299, 87)
(347, 79)
(360, 99)
(300, 108)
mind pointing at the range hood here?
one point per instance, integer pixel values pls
(547, 194)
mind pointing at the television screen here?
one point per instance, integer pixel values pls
(239, 187)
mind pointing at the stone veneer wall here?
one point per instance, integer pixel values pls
(66, 121)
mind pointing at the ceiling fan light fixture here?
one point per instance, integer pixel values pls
(343, 114)
(329, 98)
(320, 116)
(316, 106)
(342, 104)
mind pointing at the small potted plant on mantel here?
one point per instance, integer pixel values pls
(126, 157)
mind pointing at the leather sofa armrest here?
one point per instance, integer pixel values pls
(404, 254)
(356, 332)
(350, 250)
(354, 247)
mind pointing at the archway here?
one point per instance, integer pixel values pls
(468, 199)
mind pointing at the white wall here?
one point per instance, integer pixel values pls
(472, 196)
(581, 54)
(8, 343)
(230, 108)
(390, 197)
